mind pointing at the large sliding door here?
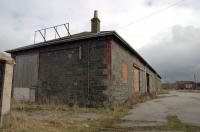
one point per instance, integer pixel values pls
(25, 76)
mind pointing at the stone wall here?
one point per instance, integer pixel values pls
(94, 72)
(74, 72)
(121, 91)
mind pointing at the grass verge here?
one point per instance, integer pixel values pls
(175, 124)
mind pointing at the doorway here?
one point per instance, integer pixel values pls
(136, 80)
(148, 79)
(2, 69)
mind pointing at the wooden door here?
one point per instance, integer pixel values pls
(136, 80)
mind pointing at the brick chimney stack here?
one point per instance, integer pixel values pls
(95, 23)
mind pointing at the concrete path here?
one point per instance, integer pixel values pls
(183, 104)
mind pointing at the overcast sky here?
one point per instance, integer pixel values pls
(169, 40)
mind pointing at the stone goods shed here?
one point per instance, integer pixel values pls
(6, 72)
(96, 68)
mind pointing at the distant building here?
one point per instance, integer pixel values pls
(186, 85)
(96, 68)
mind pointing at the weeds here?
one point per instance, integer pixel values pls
(175, 124)
(118, 111)
(32, 117)
(22, 106)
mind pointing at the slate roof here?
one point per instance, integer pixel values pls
(78, 36)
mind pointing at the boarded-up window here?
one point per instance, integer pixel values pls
(125, 73)
(136, 79)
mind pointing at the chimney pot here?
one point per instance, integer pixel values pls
(95, 14)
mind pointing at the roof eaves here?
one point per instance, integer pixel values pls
(47, 43)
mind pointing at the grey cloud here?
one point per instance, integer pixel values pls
(19, 19)
(188, 4)
(194, 4)
(176, 58)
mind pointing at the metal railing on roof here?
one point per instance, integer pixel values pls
(43, 32)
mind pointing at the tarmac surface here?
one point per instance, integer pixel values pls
(185, 105)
